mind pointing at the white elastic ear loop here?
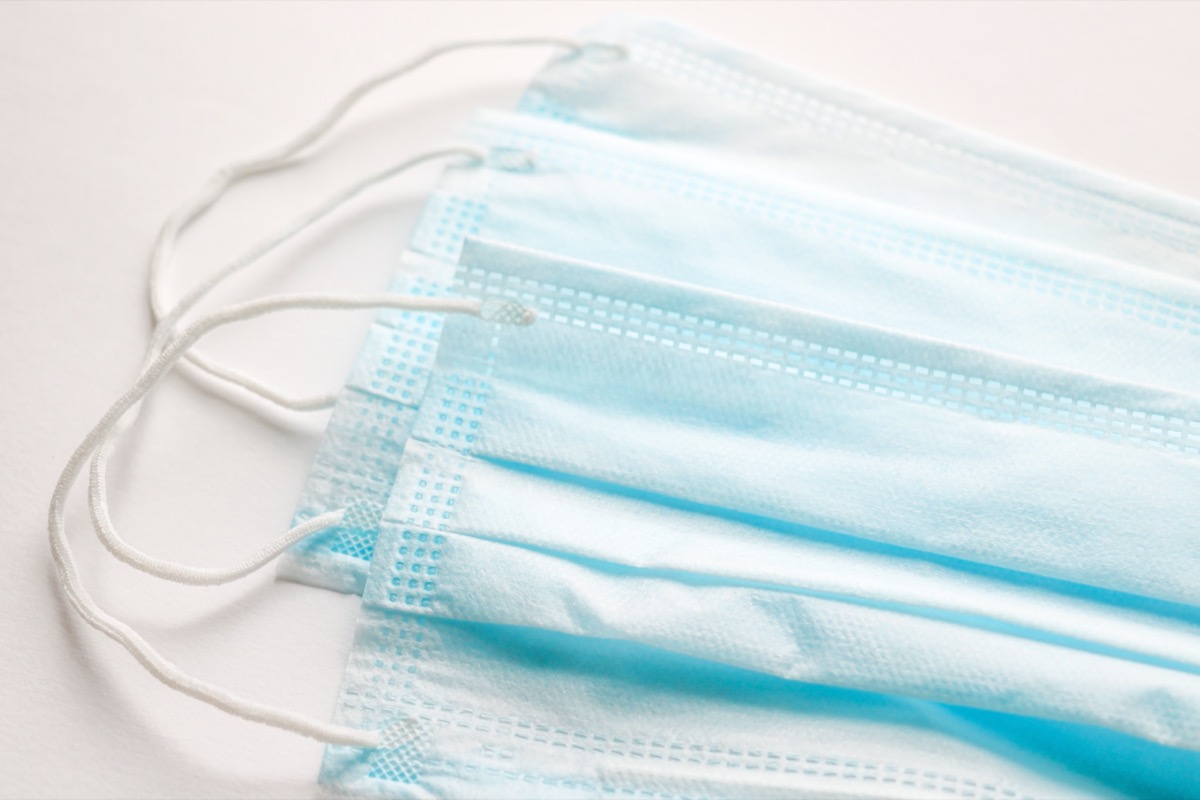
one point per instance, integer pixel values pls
(166, 326)
(98, 618)
(286, 156)
(98, 495)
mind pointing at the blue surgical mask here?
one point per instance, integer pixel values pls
(642, 208)
(701, 96)
(780, 494)
(757, 503)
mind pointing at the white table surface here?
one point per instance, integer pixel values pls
(110, 114)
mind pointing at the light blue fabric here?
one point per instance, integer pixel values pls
(667, 520)
(355, 464)
(852, 454)
(646, 209)
(701, 96)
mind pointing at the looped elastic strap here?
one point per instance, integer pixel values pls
(288, 155)
(168, 346)
(165, 328)
(495, 310)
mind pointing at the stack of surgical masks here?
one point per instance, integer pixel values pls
(848, 454)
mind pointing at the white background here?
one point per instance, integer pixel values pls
(110, 114)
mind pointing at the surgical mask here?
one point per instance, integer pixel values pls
(701, 96)
(664, 520)
(163, 354)
(598, 197)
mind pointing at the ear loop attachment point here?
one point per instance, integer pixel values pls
(285, 156)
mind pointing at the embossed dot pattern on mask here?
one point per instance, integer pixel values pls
(584, 482)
